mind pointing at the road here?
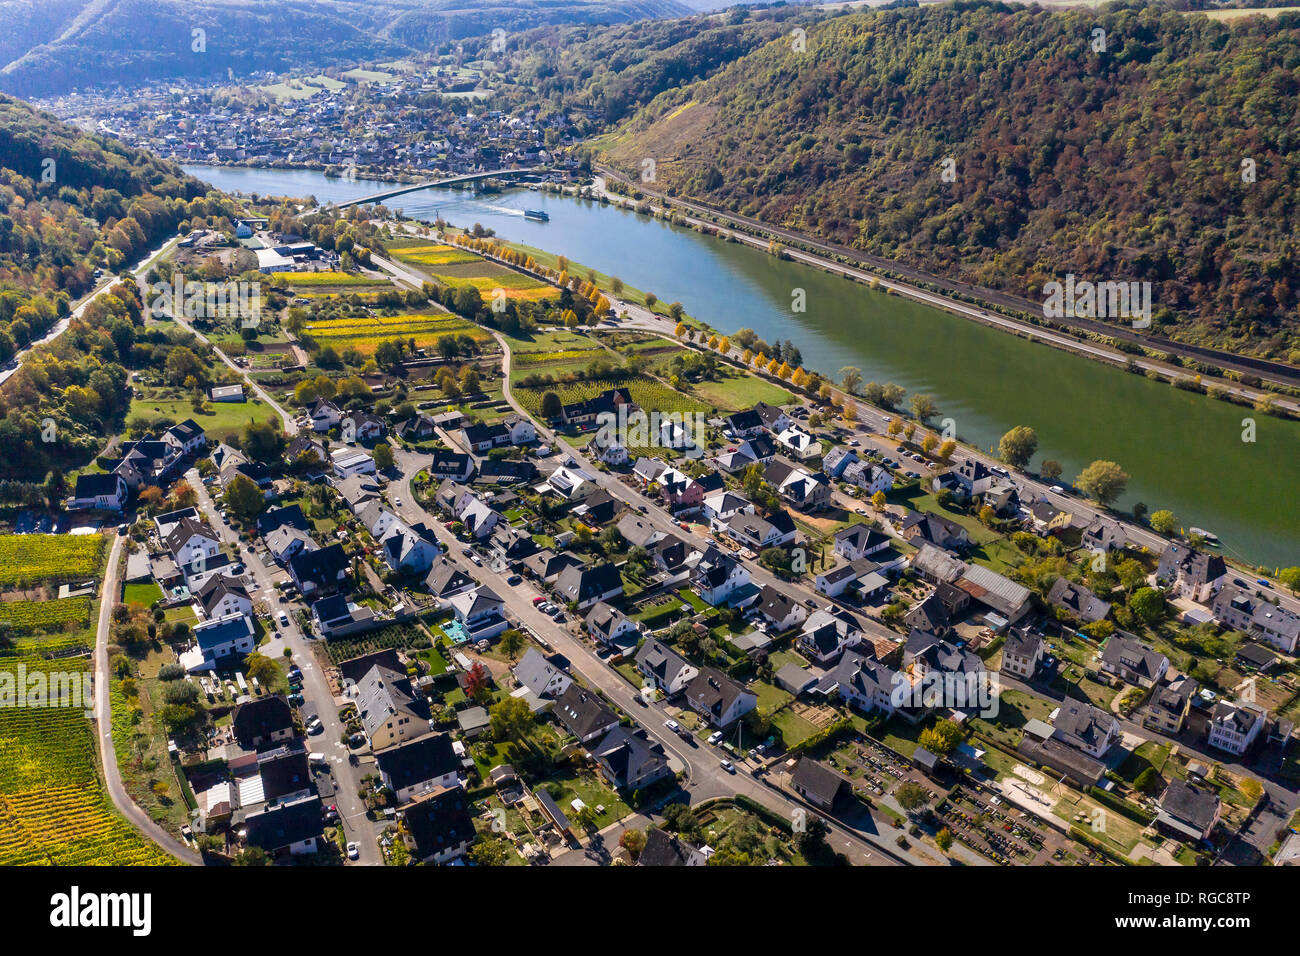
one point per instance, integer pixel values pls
(316, 692)
(104, 722)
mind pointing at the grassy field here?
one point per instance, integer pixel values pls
(145, 593)
(225, 417)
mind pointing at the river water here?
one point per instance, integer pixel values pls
(1185, 452)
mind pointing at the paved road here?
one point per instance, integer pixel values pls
(347, 778)
(104, 723)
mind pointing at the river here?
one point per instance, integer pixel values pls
(1184, 452)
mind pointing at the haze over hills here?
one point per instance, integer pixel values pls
(52, 47)
(1124, 165)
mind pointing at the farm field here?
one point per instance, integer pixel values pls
(365, 334)
(737, 391)
(36, 558)
(319, 284)
(53, 810)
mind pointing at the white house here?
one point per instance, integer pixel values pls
(352, 461)
(663, 667)
(1234, 726)
(324, 415)
(100, 492)
(480, 612)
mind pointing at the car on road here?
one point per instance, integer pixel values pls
(354, 851)
(1057, 489)
(314, 726)
(673, 725)
(538, 600)
(398, 502)
(468, 552)
(715, 737)
(283, 619)
(854, 443)
(514, 579)
(1263, 583)
(810, 602)
(728, 766)
(476, 560)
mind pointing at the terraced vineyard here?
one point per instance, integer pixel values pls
(365, 334)
(45, 615)
(53, 809)
(49, 558)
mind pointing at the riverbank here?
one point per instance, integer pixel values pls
(1055, 335)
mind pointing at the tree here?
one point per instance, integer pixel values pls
(1050, 469)
(264, 669)
(1290, 577)
(263, 442)
(1103, 481)
(943, 840)
(851, 379)
(383, 457)
(947, 448)
(633, 841)
(911, 796)
(924, 407)
(1148, 604)
(552, 407)
(1148, 781)
(512, 719)
(492, 851)
(878, 501)
(244, 498)
(1018, 446)
(942, 738)
(928, 443)
(1163, 522)
(512, 642)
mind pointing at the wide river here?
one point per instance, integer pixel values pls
(1185, 452)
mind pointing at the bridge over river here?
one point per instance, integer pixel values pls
(429, 184)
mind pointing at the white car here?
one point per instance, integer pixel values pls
(1057, 489)
(673, 725)
(715, 737)
(354, 851)
(314, 726)
(398, 502)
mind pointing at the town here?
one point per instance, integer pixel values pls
(443, 603)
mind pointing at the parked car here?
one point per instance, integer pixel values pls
(715, 737)
(354, 851)
(538, 600)
(295, 700)
(728, 766)
(673, 725)
(314, 726)
(514, 579)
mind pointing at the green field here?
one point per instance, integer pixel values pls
(224, 419)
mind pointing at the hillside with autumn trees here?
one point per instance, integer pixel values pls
(1123, 164)
(71, 203)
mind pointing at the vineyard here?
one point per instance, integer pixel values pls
(45, 615)
(49, 558)
(337, 280)
(431, 254)
(453, 266)
(53, 809)
(365, 334)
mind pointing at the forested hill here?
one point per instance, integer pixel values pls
(105, 205)
(49, 47)
(1122, 165)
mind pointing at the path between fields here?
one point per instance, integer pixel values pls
(104, 724)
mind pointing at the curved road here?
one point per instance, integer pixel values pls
(104, 724)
